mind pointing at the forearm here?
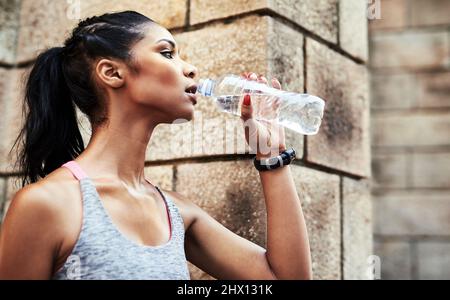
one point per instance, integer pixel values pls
(288, 250)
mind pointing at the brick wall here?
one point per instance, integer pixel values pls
(410, 61)
(314, 46)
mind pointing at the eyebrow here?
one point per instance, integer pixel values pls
(169, 41)
(172, 43)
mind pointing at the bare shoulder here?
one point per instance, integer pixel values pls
(188, 209)
(49, 194)
(36, 224)
(45, 204)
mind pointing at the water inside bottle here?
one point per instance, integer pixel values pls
(299, 112)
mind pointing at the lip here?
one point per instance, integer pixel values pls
(192, 97)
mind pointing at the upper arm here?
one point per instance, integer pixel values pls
(220, 252)
(29, 236)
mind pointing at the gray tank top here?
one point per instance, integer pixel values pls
(103, 252)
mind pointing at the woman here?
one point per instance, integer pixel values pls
(124, 72)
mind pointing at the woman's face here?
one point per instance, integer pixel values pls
(161, 79)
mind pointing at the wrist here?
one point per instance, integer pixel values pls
(263, 156)
(270, 154)
(264, 163)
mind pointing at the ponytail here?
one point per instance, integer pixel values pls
(50, 134)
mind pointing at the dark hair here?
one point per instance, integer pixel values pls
(61, 80)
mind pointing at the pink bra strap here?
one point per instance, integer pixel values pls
(76, 170)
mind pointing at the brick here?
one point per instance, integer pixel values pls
(393, 15)
(434, 89)
(9, 23)
(357, 228)
(412, 213)
(162, 176)
(11, 91)
(428, 13)
(406, 90)
(212, 132)
(396, 261)
(319, 194)
(202, 11)
(47, 14)
(318, 16)
(354, 39)
(5, 210)
(84, 126)
(13, 185)
(285, 41)
(38, 19)
(414, 50)
(8, 37)
(433, 260)
(394, 91)
(343, 139)
(431, 170)
(238, 203)
(390, 170)
(170, 13)
(411, 129)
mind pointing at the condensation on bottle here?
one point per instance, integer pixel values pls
(302, 113)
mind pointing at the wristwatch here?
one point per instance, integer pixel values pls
(272, 163)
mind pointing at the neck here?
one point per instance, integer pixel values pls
(117, 151)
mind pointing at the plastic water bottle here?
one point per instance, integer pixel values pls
(300, 112)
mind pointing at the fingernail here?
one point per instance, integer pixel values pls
(247, 100)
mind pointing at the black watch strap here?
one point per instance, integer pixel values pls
(272, 163)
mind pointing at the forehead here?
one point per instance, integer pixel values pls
(155, 32)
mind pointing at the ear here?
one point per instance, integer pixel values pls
(110, 73)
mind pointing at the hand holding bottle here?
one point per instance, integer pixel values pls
(265, 137)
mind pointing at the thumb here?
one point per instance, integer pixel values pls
(246, 108)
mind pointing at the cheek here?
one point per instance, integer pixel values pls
(155, 82)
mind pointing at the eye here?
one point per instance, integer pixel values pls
(167, 53)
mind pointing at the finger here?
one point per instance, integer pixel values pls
(246, 108)
(271, 108)
(262, 79)
(253, 76)
(250, 124)
(244, 74)
(277, 105)
(251, 128)
(276, 84)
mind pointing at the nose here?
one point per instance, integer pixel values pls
(190, 71)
